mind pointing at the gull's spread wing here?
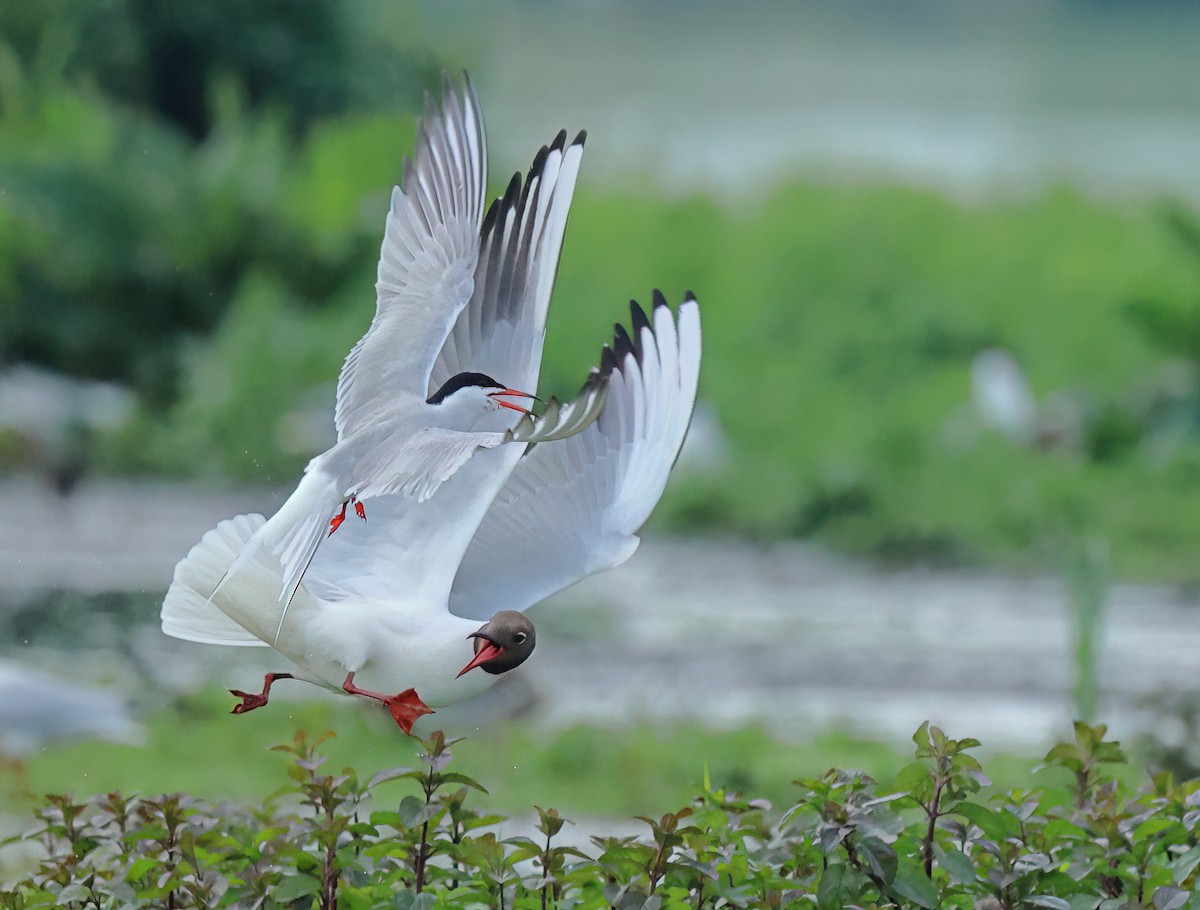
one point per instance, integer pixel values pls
(572, 508)
(501, 331)
(426, 264)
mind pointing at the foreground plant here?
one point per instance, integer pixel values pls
(934, 838)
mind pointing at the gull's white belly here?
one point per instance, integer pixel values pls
(389, 648)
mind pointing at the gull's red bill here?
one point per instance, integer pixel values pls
(489, 650)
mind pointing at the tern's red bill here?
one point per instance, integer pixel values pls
(510, 405)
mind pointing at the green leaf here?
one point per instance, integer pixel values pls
(387, 774)
(912, 777)
(140, 867)
(829, 889)
(1183, 866)
(1050, 901)
(912, 883)
(385, 817)
(413, 811)
(453, 777)
(880, 857)
(996, 825)
(1168, 898)
(294, 887)
(956, 863)
(408, 899)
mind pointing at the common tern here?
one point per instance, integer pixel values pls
(469, 521)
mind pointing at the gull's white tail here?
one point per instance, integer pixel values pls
(208, 602)
(293, 534)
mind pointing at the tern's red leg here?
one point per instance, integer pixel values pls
(359, 510)
(252, 700)
(336, 521)
(405, 707)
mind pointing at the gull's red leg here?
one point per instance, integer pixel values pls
(336, 521)
(406, 707)
(359, 510)
(252, 700)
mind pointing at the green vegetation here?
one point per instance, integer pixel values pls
(584, 769)
(938, 836)
(207, 234)
(840, 323)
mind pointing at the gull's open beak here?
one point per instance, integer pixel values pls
(485, 648)
(511, 406)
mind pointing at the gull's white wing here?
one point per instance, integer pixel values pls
(412, 542)
(426, 264)
(501, 331)
(572, 508)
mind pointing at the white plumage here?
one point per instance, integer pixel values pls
(464, 515)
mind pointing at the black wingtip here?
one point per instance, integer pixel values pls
(659, 299)
(581, 138)
(689, 297)
(513, 192)
(622, 343)
(639, 320)
(539, 160)
(559, 142)
(608, 361)
(489, 219)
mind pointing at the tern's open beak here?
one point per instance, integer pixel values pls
(508, 404)
(487, 649)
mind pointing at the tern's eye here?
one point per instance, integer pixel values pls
(520, 637)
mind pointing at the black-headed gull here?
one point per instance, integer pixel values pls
(461, 529)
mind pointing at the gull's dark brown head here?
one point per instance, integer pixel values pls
(502, 643)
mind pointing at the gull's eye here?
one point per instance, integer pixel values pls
(520, 637)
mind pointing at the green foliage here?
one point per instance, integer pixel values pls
(840, 323)
(208, 233)
(155, 157)
(931, 840)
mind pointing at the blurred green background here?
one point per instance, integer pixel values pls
(948, 259)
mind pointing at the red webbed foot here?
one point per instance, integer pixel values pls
(406, 706)
(252, 700)
(336, 521)
(359, 510)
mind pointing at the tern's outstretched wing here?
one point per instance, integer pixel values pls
(501, 331)
(426, 264)
(420, 464)
(572, 508)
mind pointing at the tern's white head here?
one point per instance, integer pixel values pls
(471, 395)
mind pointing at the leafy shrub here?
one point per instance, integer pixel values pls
(932, 839)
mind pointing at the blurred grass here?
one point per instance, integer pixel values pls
(198, 748)
(840, 322)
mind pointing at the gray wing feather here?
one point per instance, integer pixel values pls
(501, 331)
(572, 508)
(426, 263)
